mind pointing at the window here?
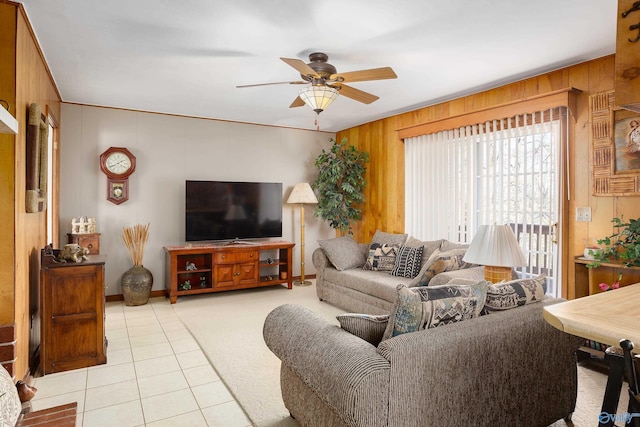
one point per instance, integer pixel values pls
(498, 172)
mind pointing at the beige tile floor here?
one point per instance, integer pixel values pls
(156, 375)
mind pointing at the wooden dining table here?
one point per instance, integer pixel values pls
(606, 317)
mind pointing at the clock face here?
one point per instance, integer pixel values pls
(118, 163)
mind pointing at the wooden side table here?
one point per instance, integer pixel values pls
(90, 241)
(72, 303)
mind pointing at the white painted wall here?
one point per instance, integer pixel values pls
(170, 150)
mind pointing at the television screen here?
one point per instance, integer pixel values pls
(221, 210)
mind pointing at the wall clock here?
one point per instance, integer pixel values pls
(118, 164)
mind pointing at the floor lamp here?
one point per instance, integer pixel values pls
(302, 194)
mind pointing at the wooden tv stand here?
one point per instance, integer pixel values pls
(205, 268)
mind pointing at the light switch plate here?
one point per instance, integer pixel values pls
(583, 214)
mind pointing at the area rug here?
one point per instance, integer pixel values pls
(228, 328)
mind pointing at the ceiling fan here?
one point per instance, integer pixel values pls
(326, 83)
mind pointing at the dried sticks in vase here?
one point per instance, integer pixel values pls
(134, 239)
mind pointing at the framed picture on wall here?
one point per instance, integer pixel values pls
(615, 147)
(626, 135)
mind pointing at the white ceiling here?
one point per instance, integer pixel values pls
(186, 57)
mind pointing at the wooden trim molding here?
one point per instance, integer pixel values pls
(560, 98)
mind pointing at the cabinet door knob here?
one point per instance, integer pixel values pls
(90, 246)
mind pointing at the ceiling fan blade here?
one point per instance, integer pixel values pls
(301, 66)
(301, 82)
(364, 75)
(357, 94)
(298, 102)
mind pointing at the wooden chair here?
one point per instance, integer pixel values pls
(632, 373)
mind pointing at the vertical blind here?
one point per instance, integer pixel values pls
(503, 171)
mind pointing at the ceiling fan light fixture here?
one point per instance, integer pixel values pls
(318, 97)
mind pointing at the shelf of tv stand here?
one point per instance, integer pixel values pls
(225, 267)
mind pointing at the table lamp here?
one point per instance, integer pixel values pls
(302, 194)
(495, 247)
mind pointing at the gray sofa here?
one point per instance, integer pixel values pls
(503, 369)
(364, 291)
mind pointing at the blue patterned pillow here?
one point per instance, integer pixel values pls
(408, 262)
(429, 307)
(382, 257)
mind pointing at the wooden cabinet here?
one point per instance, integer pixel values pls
(627, 54)
(72, 323)
(214, 268)
(237, 267)
(90, 241)
(588, 279)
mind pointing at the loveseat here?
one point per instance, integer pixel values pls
(508, 368)
(342, 280)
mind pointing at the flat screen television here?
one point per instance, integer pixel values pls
(223, 210)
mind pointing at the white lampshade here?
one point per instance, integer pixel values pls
(318, 97)
(302, 193)
(495, 245)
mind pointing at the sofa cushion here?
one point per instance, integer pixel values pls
(408, 262)
(449, 246)
(343, 252)
(428, 307)
(389, 238)
(506, 295)
(382, 257)
(441, 262)
(429, 246)
(369, 327)
(378, 284)
(472, 274)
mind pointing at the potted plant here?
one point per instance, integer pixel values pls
(623, 245)
(340, 185)
(137, 281)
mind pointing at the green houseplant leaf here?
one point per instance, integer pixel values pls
(340, 184)
(623, 245)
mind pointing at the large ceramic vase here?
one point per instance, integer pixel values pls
(136, 285)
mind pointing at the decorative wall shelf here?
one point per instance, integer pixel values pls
(8, 123)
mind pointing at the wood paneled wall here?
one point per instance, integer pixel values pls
(384, 206)
(23, 234)
(7, 168)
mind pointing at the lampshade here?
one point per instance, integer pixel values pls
(495, 245)
(302, 193)
(318, 97)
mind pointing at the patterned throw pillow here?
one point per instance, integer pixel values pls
(343, 252)
(408, 262)
(444, 261)
(10, 405)
(382, 257)
(506, 295)
(369, 327)
(429, 307)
